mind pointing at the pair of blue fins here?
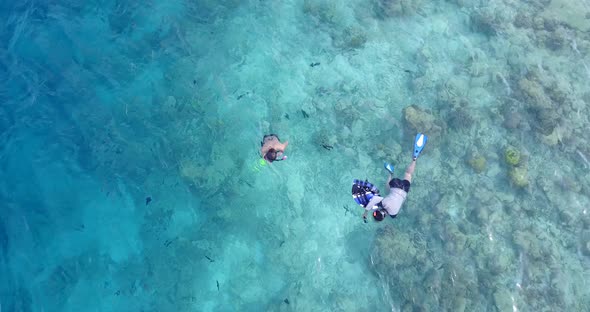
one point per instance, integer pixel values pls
(419, 143)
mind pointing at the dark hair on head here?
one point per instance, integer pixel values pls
(379, 215)
(271, 155)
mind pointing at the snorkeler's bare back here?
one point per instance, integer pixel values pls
(273, 143)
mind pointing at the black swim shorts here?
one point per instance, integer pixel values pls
(400, 184)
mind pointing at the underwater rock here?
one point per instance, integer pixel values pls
(498, 263)
(512, 156)
(459, 304)
(487, 21)
(512, 119)
(559, 91)
(555, 40)
(523, 20)
(453, 92)
(534, 93)
(190, 170)
(503, 300)
(477, 162)
(553, 138)
(519, 176)
(548, 120)
(353, 38)
(421, 120)
(528, 243)
(325, 12)
(586, 246)
(571, 13)
(566, 215)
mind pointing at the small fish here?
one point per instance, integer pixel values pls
(346, 209)
(210, 260)
(217, 285)
(408, 71)
(287, 116)
(148, 200)
(281, 244)
(286, 301)
(327, 147)
(305, 114)
(194, 82)
(314, 64)
(243, 95)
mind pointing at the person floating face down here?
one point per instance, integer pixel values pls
(392, 203)
(272, 149)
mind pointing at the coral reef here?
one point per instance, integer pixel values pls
(389, 8)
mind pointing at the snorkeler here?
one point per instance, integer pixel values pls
(366, 195)
(272, 149)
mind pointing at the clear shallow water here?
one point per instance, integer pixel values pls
(105, 104)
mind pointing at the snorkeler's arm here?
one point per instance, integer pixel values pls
(373, 202)
(280, 156)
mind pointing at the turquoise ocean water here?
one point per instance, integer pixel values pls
(130, 175)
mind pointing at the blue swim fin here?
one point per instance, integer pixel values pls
(388, 167)
(419, 143)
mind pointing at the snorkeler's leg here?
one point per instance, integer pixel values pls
(410, 171)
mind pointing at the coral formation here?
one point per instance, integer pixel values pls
(519, 176)
(477, 162)
(512, 156)
(353, 38)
